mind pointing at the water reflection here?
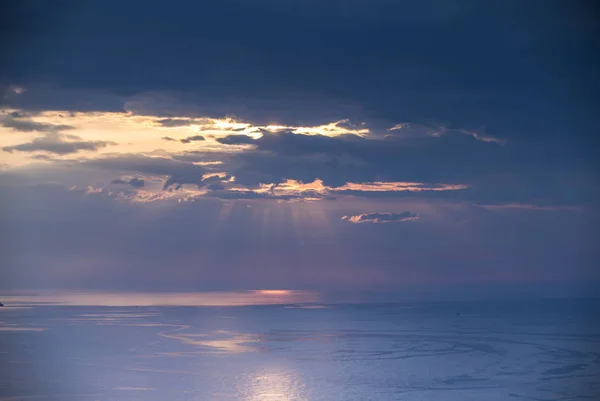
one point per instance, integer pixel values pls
(273, 385)
(219, 341)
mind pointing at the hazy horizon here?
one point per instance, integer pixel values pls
(508, 292)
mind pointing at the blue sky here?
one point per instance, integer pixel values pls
(360, 146)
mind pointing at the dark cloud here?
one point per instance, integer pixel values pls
(351, 158)
(215, 187)
(134, 182)
(237, 140)
(493, 173)
(19, 114)
(185, 140)
(174, 122)
(44, 157)
(515, 171)
(192, 138)
(199, 181)
(41, 97)
(381, 217)
(146, 165)
(219, 191)
(510, 78)
(177, 172)
(32, 126)
(182, 108)
(56, 144)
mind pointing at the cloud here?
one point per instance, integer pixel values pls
(530, 207)
(381, 217)
(452, 166)
(22, 125)
(174, 122)
(199, 181)
(45, 157)
(134, 182)
(215, 187)
(55, 143)
(178, 172)
(216, 191)
(192, 139)
(411, 130)
(443, 163)
(184, 140)
(237, 140)
(482, 136)
(453, 158)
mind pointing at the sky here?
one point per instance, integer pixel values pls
(337, 147)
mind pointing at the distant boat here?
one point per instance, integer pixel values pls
(1, 304)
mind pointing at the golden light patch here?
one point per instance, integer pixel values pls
(275, 292)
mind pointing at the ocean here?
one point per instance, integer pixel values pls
(527, 350)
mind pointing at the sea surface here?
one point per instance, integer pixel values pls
(530, 350)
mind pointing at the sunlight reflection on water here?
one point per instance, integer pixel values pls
(273, 385)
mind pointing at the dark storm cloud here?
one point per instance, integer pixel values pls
(350, 158)
(381, 217)
(134, 182)
(358, 33)
(32, 126)
(56, 144)
(494, 172)
(457, 61)
(367, 148)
